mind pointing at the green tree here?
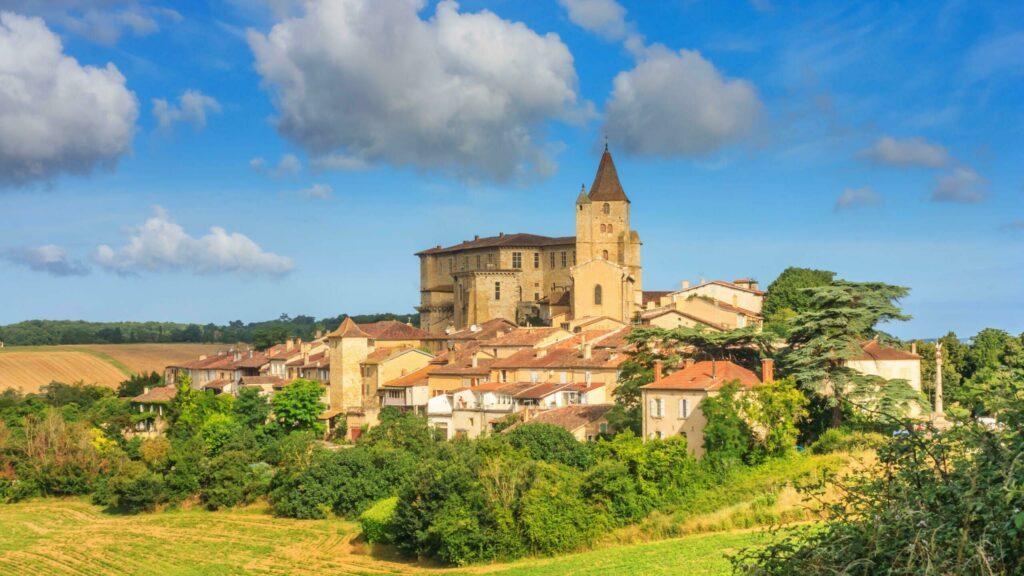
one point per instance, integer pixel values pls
(776, 410)
(251, 408)
(829, 333)
(297, 406)
(789, 290)
(550, 443)
(137, 384)
(727, 436)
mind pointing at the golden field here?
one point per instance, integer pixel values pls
(26, 368)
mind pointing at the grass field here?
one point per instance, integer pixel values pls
(26, 368)
(73, 537)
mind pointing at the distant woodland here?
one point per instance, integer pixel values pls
(259, 334)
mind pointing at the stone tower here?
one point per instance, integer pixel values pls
(607, 274)
(349, 348)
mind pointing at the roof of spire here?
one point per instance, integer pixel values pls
(606, 184)
(348, 329)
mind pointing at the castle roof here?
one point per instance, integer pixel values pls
(503, 240)
(606, 186)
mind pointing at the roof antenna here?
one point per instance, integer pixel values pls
(605, 142)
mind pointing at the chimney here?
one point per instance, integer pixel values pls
(913, 347)
(588, 351)
(473, 361)
(767, 370)
(476, 237)
(451, 358)
(202, 356)
(145, 389)
(657, 370)
(686, 284)
(289, 344)
(541, 353)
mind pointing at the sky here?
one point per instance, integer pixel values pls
(239, 159)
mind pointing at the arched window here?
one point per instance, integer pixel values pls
(602, 228)
(609, 228)
(607, 208)
(597, 295)
(604, 254)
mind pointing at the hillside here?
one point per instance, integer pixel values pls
(73, 537)
(26, 368)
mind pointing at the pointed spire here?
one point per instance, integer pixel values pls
(583, 198)
(606, 185)
(348, 329)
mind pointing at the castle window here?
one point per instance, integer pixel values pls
(597, 295)
(490, 258)
(573, 257)
(607, 208)
(517, 260)
(564, 260)
(609, 228)
(552, 259)
(478, 261)
(604, 254)
(602, 228)
(536, 296)
(536, 259)
(497, 290)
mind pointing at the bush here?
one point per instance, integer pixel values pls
(550, 443)
(378, 521)
(229, 480)
(308, 492)
(837, 440)
(554, 516)
(135, 488)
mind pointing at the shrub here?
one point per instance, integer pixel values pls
(309, 492)
(378, 521)
(550, 443)
(230, 479)
(135, 488)
(554, 516)
(837, 440)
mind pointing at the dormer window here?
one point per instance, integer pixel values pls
(607, 208)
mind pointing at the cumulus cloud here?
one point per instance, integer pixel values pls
(288, 164)
(465, 93)
(101, 21)
(160, 244)
(192, 108)
(854, 197)
(55, 114)
(605, 18)
(50, 258)
(321, 191)
(963, 185)
(678, 104)
(906, 152)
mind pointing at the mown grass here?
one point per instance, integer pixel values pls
(52, 536)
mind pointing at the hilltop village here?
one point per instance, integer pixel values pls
(518, 328)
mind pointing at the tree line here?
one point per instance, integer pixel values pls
(261, 334)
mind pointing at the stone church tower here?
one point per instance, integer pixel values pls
(606, 280)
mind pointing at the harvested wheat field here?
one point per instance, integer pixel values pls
(26, 368)
(51, 536)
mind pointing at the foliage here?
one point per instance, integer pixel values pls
(727, 435)
(828, 334)
(297, 406)
(550, 443)
(218, 430)
(251, 408)
(135, 488)
(945, 503)
(775, 413)
(137, 384)
(788, 296)
(232, 478)
(839, 440)
(378, 521)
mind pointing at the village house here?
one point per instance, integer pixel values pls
(153, 403)
(671, 404)
(716, 305)
(586, 422)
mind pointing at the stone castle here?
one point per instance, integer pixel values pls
(540, 279)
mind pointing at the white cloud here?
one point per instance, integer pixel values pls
(55, 114)
(606, 18)
(50, 258)
(906, 152)
(160, 244)
(321, 191)
(854, 197)
(962, 185)
(192, 108)
(678, 104)
(288, 165)
(339, 162)
(465, 93)
(101, 21)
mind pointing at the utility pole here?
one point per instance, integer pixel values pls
(938, 379)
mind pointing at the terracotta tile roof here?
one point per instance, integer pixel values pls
(570, 417)
(204, 363)
(606, 186)
(731, 308)
(561, 356)
(616, 339)
(654, 296)
(260, 380)
(504, 241)
(485, 331)
(521, 337)
(659, 312)
(218, 384)
(157, 395)
(393, 330)
(508, 388)
(463, 367)
(538, 391)
(874, 350)
(706, 375)
(255, 360)
(384, 354)
(417, 378)
(348, 329)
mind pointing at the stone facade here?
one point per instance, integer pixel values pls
(523, 277)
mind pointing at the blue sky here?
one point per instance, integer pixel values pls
(327, 141)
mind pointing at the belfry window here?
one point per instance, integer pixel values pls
(604, 254)
(607, 208)
(597, 295)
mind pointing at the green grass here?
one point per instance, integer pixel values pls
(51, 536)
(108, 359)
